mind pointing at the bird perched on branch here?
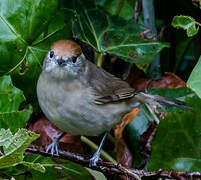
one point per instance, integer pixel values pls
(83, 99)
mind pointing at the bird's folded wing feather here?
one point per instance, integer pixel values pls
(108, 88)
(116, 95)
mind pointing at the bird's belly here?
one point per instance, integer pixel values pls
(76, 113)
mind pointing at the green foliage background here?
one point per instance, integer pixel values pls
(29, 27)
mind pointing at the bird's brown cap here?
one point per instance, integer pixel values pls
(66, 48)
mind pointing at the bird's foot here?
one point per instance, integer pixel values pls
(53, 147)
(94, 159)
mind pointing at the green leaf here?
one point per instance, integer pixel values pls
(97, 175)
(9, 93)
(114, 35)
(21, 22)
(27, 29)
(14, 146)
(61, 169)
(194, 80)
(186, 163)
(171, 93)
(124, 9)
(177, 144)
(35, 166)
(180, 50)
(10, 100)
(187, 23)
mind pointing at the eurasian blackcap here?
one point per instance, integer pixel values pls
(83, 99)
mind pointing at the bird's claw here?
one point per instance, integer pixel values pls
(94, 159)
(53, 148)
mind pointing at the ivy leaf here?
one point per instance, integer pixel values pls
(35, 166)
(124, 9)
(177, 141)
(187, 23)
(26, 33)
(186, 163)
(61, 169)
(14, 146)
(194, 80)
(114, 35)
(10, 100)
(97, 175)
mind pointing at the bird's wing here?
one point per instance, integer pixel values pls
(116, 95)
(108, 88)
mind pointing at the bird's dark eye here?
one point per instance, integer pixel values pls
(74, 58)
(51, 54)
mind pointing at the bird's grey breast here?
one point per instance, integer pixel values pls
(69, 104)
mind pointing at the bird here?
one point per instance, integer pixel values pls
(81, 98)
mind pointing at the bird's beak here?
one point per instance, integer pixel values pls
(61, 61)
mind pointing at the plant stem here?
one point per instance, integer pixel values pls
(105, 155)
(198, 23)
(111, 138)
(154, 70)
(100, 60)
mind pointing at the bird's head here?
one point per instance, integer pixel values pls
(64, 59)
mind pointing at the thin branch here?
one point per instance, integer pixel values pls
(108, 167)
(138, 8)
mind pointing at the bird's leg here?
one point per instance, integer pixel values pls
(53, 147)
(94, 159)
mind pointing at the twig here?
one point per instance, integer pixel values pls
(199, 24)
(138, 8)
(108, 167)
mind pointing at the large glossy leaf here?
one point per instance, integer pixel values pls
(110, 34)
(187, 23)
(171, 93)
(10, 100)
(194, 81)
(58, 169)
(14, 146)
(35, 166)
(177, 141)
(21, 23)
(27, 29)
(124, 9)
(97, 175)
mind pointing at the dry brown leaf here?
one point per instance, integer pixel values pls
(48, 132)
(128, 118)
(123, 154)
(138, 80)
(169, 80)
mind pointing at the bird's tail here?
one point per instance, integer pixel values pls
(158, 101)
